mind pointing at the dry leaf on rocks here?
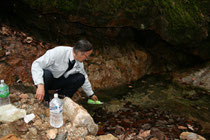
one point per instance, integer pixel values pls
(190, 127)
(23, 96)
(144, 134)
(51, 134)
(182, 127)
(28, 40)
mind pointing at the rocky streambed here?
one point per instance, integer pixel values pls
(153, 107)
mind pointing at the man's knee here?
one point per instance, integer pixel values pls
(80, 79)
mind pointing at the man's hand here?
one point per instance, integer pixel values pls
(40, 92)
(95, 98)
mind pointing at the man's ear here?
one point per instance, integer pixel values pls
(75, 52)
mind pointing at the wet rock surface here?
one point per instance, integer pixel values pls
(139, 123)
(198, 77)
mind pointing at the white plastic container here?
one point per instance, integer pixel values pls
(56, 112)
(4, 94)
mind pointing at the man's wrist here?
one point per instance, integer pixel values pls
(91, 95)
(40, 85)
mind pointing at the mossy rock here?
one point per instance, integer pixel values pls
(176, 21)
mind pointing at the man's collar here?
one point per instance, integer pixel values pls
(72, 56)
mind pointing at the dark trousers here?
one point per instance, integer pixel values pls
(65, 86)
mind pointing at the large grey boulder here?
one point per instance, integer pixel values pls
(79, 117)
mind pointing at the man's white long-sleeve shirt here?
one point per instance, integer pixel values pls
(57, 60)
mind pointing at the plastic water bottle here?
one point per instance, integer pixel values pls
(56, 112)
(4, 94)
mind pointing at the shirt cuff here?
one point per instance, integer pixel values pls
(40, 81)
(91, 95)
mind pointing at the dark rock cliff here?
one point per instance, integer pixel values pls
(176, 21)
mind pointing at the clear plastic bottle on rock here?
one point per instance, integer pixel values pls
(56, 112)
(4, 94)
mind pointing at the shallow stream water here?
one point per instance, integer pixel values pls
(154, 101)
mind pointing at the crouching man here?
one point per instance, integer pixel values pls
(62, 69)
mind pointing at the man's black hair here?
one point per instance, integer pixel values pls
(83, 46)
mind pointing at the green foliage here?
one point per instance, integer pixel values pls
(182, 15)
(60, 5)
(110, 7)
(185, 11)
(181, 18)
(65, 5)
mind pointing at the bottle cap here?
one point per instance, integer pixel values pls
(56, 95)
